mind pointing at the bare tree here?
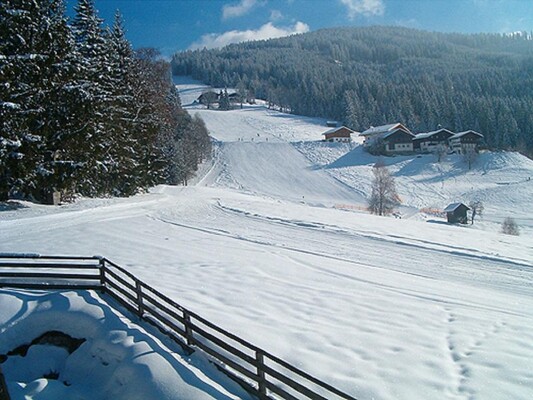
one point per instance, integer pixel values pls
(440, 151)
(208, 98)
(377, 147)
(384, 196)
(509, 227)
(477, 209)
(470, 156)
(241, 92)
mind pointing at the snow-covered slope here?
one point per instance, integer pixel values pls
(252, 123)
(380, 307)
(501, 180)
(277, 168)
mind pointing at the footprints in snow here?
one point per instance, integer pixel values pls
(459, 358)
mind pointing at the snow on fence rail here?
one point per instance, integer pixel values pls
(261, 373)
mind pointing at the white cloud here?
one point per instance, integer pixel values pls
(238, 10)
(267, 31)
(364, 7)
(275, 15)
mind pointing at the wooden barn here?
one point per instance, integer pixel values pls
(398, 140)
(466, 141)
(375, 132)
(429, 141)
(457, 213)
(341, 134)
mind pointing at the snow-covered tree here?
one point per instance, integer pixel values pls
(80, 112)
(224, 103)
(119, 123)
(35, 46)
(92, 84)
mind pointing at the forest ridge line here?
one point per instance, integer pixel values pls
(375, 75)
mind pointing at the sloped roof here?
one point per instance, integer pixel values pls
(426, 135)
(376, 130)
(333, 130)
(390, 133)
(454, 206)
(461, 134)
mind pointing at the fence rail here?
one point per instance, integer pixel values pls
(261, 373)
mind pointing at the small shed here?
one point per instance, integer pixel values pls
(456, 213)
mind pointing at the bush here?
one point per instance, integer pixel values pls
(509, 227)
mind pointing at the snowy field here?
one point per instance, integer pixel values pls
(273, 245)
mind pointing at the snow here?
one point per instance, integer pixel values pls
(333, 130)
(273, 244)
(426, 135)
(374, 130)
(119, 359)
(452, 207)
(461, 134)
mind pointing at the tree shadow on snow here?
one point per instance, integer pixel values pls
(11, 205)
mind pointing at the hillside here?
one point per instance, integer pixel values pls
(349, 297)
(266, 152)
(377, 75)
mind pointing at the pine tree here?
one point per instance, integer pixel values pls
(81, 112)
(21, 50)
(224, 103)
(119, 123)
(58, 168)
(35, 46)
(92, 83)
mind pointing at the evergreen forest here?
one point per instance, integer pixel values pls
(81, 112)
(372, 76)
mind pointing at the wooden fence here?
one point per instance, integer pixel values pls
(259, 372)
(4, 395)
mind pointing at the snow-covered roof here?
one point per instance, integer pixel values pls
(375, 130)
(426, 135)
(333, 130)
(461, 134)
(454, 206)
(392, 132)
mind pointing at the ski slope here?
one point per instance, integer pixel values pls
(272, 168)
(381, 308)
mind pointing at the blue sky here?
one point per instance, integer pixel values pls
(173, 25)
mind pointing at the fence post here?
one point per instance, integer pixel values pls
(188, 328)
(102, 274)
(138, 291)
(260, 358)
(4, 394)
